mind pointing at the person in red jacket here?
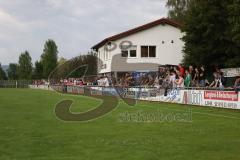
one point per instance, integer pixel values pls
(181, 69)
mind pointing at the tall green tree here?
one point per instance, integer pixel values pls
(234, 21)
(25, 66)
(38, 70)
(233, 33)
(12, 71)
(2, 73)
(178, 9)
(49, 57)
(207, 37)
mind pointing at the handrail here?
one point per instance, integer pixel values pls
(149, 87)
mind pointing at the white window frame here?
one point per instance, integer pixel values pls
(133, 47)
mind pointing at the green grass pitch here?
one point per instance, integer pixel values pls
(29, 130)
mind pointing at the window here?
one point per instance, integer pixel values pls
(133, 53)
(129, 51)
(148, 51)
(105, 55)
(124, 53)
(152, 51)
(144, 51)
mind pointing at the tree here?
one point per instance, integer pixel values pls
(92, 62)
(2, 73)
(207, 37)
(88, 63)
(49, 57)
(233, 33)
(83, 65)
(234, 21)
(178, 9)
(12, 71)
(25, 66)
(62, 61)
(38, 70)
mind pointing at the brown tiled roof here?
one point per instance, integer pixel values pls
(138, 29)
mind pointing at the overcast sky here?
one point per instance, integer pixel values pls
(75, 25)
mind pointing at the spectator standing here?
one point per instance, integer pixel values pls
(95, 82)
(202, 76)
(173, 79)
(81, 82)
(216, 82)
(181, 69)
(180, 81)
(105, 81)
(166, 80)
(223, 81)
(188, 78)
(196, 78)
(128, 80)
(192, 73)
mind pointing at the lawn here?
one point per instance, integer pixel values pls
(30, 130)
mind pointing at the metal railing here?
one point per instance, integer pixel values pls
(15, 83)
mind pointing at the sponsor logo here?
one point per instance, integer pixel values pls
(174, 94)
(222, 104)
(192, 97)
(221, 95)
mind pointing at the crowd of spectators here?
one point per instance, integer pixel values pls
(40, 82)
(166, 77)
(176, 76)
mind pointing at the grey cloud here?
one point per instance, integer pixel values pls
(75, 25)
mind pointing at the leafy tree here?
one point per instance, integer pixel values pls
(25, 66)
(62, 61)
(233, 33)
(88, 63)
(207, 37)
(234, 21)
(91, 60)
(49, 57)
(2, 73)
(178, 9)
(83, 65)
(38, 70)
(12, 71)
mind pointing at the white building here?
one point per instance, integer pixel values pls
(141, 49)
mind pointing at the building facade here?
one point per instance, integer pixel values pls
(141, 49)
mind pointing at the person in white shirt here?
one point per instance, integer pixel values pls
(180, 81)
(105, 82)
(173, 79)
